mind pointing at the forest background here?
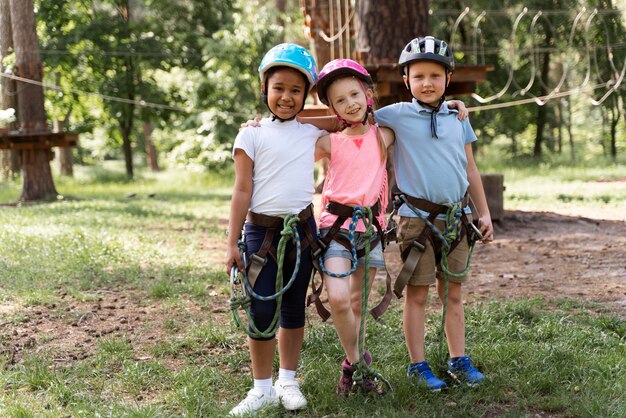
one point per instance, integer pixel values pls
(137, 78)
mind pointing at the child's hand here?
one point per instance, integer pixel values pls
(460, 106)
(256, 122)
(486, 228)
(233, 258)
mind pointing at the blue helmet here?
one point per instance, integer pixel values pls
(289, 55)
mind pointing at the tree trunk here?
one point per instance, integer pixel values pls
(151, 151)
(615, 117)
(35, 163)
(281, 7)
(126, 124)
(66, 164)
(383, 30)
(9, 159)
(569, 130)
(559, 122)
(542, 111)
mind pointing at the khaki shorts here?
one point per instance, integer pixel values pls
(426, 270)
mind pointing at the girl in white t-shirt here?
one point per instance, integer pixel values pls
(274, 167)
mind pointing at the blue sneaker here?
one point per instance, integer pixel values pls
(425, 376)
(461, 369)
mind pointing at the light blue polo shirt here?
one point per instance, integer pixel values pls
(427, 167)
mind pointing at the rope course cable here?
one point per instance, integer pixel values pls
(587, 25)
(141, 103)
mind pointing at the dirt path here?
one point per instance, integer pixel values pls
(552, 256)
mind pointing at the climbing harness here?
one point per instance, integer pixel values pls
(457, 226)
(242, 282)
(443, 242)
(343, 212)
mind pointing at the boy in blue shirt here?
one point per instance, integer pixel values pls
(435, 170)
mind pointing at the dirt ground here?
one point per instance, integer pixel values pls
(535, 254)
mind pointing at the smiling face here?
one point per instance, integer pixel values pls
(348, 99)
(427, 81)
(286, 92)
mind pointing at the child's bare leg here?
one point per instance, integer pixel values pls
(339, 295)
(356, 293)
(262, 356)
(414, 321)
(289, 347)
(455, 318)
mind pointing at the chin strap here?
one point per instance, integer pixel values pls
(433, 114)
(353, 124)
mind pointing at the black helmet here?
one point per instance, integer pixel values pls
(426, 49)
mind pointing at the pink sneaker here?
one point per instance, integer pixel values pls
(346, 384)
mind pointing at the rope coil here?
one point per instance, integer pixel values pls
(242, 292)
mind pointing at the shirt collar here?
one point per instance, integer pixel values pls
(443, 109)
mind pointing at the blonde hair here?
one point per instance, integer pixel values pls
(372, 121)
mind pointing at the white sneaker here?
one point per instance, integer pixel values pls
(290, 395)
(255, 401)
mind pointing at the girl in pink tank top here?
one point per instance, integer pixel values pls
(357, 176)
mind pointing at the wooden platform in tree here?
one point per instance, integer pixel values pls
(42, 140)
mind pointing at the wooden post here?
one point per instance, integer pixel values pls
(494, 191)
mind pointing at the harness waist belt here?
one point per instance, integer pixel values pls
(268, 221)
(431, 207)
(346, 211)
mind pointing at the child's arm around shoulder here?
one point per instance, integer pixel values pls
(240, 202)
(326, 123)
(477, 193)
(460, 107)
(388, 136)
(322, 147)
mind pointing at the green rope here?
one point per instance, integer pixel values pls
(452, 232)
(362, 370)
(242, 298)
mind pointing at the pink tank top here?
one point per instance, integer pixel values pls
(356, 176)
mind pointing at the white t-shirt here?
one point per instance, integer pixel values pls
(283, 154)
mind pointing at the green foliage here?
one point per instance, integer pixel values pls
(550, 49)
(229, 88)
(197, 58)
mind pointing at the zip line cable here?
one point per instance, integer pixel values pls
(533, 99)
(141, 103)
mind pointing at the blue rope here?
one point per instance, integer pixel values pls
(357, 213)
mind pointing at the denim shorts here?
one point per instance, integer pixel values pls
(335, 249)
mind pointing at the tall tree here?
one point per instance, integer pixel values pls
(9, 159)
(38, 182)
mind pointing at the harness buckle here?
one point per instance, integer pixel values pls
(320, 249)
(476, 235)
(418, 245)
(390, 233)
(258, 259)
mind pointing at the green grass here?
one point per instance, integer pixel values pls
(559, 185)
(557, 358)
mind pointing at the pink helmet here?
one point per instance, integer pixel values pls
(340, 68)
